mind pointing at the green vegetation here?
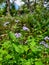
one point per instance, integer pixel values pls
(24, 37)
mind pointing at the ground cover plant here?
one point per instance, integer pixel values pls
(24, 38)
(14, 52)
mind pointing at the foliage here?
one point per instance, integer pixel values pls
(14, 53)
(26, 48)
(2, 1)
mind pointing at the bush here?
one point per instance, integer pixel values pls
(21, 39)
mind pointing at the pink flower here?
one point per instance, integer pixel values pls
(18, 35)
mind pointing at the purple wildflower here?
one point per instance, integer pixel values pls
(46, 38)
(18, 35)
(6, 23)
(42, 42)
(46, 45)
(25, 28)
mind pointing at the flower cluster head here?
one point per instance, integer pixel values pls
(46, 38)
(18, 35)
(6, 23)
(25, 28)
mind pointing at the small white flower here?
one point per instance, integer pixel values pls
(18, 35)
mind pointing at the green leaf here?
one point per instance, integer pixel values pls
(6, 44)
(34, 49)
(1, 64)
(8, 56)
(38, 63)
(32, 44)
(31, 60)
(28, 63)
(12, 36)
(18, 48)
(26, 48)
(21, 49)
(1, 59)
